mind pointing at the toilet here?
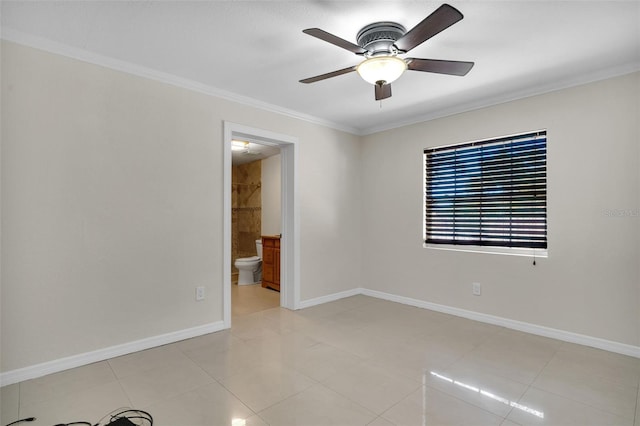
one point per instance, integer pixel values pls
(250, 267)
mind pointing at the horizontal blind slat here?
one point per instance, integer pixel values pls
(488, 193)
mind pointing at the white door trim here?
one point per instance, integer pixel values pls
(290, 242)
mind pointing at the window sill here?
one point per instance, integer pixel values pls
(509, 251)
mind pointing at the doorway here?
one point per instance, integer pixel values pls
(289, 242)
(256, 222)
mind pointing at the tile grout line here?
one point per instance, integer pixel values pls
(296, 394)
(472, 404)
(256, 413)
(124, 392)
(327, 320)
(19, 400)
(576, 400)
(246, 340)
(530, 385)
(635, 416)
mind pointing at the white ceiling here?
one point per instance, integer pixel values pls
(253, 152)
(255, 51)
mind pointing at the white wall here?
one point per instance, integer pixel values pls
(271, 195)
(111, 191)
(590, 283)
(112, 206)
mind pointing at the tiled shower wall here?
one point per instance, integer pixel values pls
(246, 210)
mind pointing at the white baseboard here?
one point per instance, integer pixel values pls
(566, 336)
(329, 298)
(39, 370)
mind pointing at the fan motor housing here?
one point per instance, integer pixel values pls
(378, 38)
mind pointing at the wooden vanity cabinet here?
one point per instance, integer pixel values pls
(271, 262)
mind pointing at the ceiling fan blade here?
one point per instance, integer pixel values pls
(383, 91)
(441, 19)
(439, 66)
(328, 75)
(335, 40)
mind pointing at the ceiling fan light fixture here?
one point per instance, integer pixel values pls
(381, 68)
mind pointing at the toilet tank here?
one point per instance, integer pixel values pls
(259, 248)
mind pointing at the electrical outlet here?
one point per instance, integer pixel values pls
(200, 293)
(477, 289)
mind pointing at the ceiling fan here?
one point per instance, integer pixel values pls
(381, 43)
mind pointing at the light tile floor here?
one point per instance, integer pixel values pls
(356, 361)
(248, 299)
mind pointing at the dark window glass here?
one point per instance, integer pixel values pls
(488, 193)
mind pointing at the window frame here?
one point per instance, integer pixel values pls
(487, 249)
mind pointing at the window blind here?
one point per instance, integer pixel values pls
(488, 193)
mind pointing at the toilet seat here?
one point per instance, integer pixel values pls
(248, 259)
(250, 268)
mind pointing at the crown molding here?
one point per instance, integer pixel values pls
(47, 45)
(61, 49)
(577, 80)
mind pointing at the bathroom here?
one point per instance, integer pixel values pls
(255, 213)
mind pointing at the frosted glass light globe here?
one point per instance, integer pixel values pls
(381, 68)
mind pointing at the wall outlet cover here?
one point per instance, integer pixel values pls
(477, 289)
(200, 293)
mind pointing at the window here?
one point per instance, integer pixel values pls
(488, 193)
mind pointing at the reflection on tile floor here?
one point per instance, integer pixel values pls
(356, 361)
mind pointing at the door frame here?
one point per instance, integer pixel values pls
(290, 241)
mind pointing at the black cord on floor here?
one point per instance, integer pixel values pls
(28, 419)
(120, 417)
(74, 424)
